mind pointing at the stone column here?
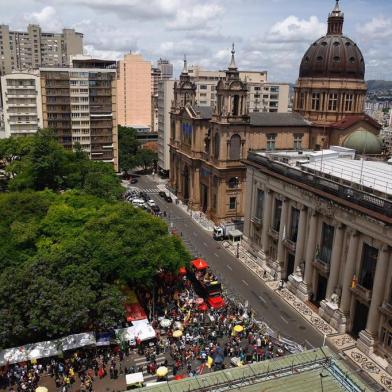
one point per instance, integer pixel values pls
(196, 189)
(299, 249)
(367, 337)
(267, 211)
(349, 273)
(305, 286)
(335, 260)
(282, 231)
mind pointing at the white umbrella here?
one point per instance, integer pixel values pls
(165, 323)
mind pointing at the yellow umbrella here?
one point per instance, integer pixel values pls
(41, 389)
(238, 328)
(162, 371)
(177, 334)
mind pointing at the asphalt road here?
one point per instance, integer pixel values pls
(268, 306)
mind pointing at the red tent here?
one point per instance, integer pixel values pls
(200, 264)
(179, 376)
(203, 307)
(134, 312)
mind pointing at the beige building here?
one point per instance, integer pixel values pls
(33, 49)
(206, 146)
(263, 96)
(134, 91)
(22, 105)
(79, 104)
(165, 99)
(322, 220)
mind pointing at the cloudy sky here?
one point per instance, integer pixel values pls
(269, 34)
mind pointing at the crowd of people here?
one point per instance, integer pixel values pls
(193, 339)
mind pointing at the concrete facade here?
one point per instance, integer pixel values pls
(330, 239)
(79, 104)
(22, 104)
(134, 91)
(33, 49)
(165, 99)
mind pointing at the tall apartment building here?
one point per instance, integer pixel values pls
(33, 49)
(166, 69)
(263, 96)
(165, 98)
(134, 91)
(79, 104)
(22, 105)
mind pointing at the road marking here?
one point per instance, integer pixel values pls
(310, 344)
(284, 320)
(216, 255)
(262, 299)
(231, 269)
(245, 282)
(205, 244)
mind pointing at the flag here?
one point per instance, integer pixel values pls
(200, 369)
(210, 361)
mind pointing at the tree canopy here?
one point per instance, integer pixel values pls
(131, 153)
(64, 256)
(38, 162)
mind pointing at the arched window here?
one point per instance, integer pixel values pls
(216, 145)
(236, 104)
(235, 148)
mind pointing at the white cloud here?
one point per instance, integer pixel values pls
(47, 18)
(293, 29)
(195, 17)
(377, 28)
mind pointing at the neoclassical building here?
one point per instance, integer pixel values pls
(322, 221)
(331, 89)
(207, 144)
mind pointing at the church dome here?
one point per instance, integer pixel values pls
(364, 142)
(334, 55)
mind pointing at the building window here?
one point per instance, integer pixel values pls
(232, 203)
(368, 266)
(348, 104)
(271, 141)
(326, 243)
(277, 215)
(203, 87)
(216, 145)
(235, 148)
(298, 141)
(259, 203)
(333, 102)
(316, 101)
(302, 101)
(294, 224)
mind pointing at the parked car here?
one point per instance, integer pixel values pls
(133, 180)
(168, 198)
(144, 196)
(162, 194)
(151, 202)
(155, 208)
(138, 202)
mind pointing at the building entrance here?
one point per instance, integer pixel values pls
(204, 197)
(321, 289)
(360, 318)
(186, 184)
(290, 265)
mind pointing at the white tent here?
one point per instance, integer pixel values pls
(134, 378)
(73, 342)
(140, 329)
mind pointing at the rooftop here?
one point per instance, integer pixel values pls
(309, 371)
(278, 120)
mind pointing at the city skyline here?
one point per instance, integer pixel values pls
(269, 35)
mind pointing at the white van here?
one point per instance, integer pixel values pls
(138, 202)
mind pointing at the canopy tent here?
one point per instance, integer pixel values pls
(30, 351)
(134, 312)
(73, 342)
(199, 264)
(134, 378)
(104, 338)
(140, 329)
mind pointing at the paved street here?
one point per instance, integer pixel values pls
(235, 277)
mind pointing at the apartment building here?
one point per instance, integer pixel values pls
(22, 105)
(134, 91)
(165, 98)
(33, 48)
(79, 104)
(263, 96)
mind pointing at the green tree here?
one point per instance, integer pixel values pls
(146, 158)
(128, 146)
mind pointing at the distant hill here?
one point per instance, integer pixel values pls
(376, 85)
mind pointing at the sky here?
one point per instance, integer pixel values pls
(269, 35)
